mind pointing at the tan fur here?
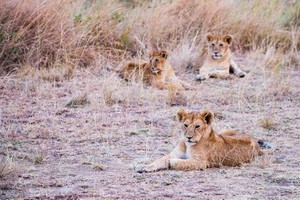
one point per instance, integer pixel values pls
(219, 62)
(201, 147)
(157, 72)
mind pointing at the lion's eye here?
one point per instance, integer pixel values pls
(213, 44)
(221, 45)
(197, 126)
(186, 125)
(156, 60)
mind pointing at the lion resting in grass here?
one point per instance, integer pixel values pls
(219, 62)
(201, 147)
(157, 72)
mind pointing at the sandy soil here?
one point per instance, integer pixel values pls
(90, 152)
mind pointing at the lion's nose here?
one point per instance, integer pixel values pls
(189, 138)
(215, 52)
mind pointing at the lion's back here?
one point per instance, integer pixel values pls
(136, 71)
(236, 148)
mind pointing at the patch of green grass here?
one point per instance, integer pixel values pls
(125, 39)
(77, 18)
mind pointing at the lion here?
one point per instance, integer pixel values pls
(201, 147)
(157, 72)
(219, 62)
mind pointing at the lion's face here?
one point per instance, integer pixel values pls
(194, 124)
(157, 61)
(218, 46)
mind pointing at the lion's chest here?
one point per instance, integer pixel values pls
(158, 76)
(188, 151)
(187, 155)
(221, 66)
(215, 65)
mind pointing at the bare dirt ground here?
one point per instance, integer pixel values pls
(90, 152)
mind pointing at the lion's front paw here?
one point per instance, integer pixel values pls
(188, 87)
(241, 74)
(191, 88)
(144, 169)
(201, 77)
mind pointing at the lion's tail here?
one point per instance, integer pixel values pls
(267, 146)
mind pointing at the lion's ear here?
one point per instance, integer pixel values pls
(164, 54)
(181, 114)
(228, 39)
(208, 116)
(150, 53)
(210, 37)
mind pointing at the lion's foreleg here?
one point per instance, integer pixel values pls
(236, 70)
(159, 164)
(202, 76)
(159, 84)
(203, 73)
(185, 85)
(189, 164)
(164, 162)
(219, 74)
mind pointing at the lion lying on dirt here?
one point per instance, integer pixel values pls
(157, 72)
(219, 62)
(201, 147)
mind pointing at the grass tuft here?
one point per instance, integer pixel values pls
(95, 165)
(267, 123)
(77, 102)
(6, 167)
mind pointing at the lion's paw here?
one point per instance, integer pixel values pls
(200, 77)
(143, 169)
(241, 74)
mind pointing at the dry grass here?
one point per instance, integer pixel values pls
(78, 102)
(95, 165)
(59, 34)
(40, 34)
(176, 97)
(267, 123)
(139, 126)
(52, 52)
(6, 167)
(38, 158)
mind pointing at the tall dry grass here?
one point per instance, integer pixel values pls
(39, 34)
(47, 34)
(182, 25)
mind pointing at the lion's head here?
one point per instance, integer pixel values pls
(157, 60)
(218, 46)
(195, 124)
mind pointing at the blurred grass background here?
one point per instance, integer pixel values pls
(45, 34)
